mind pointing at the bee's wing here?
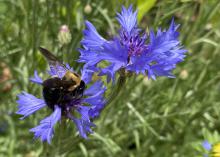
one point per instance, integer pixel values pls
(53, 61)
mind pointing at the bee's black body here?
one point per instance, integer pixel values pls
(57, 91)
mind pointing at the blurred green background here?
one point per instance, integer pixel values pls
(166, 117)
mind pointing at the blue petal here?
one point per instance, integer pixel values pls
(96, 99)
(92, 40)
(87, 74)
(128, 19)
(93, 89)
(92, 43)
(110, 71)
(116, 54)
(45, 130)
(88, 70)
(28, 104)
(36, 79)
(138, 64)
(83, 124)
(164, 51)
(207, 145)
(160, 57)
(90, 57)
(112, 52)
(95, 111)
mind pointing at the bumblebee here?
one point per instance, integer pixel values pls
(61, 91)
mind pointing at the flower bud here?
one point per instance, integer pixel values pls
(5, 76)
(64, 35)
(184, 74)
(88, 9)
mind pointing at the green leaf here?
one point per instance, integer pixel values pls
(143, 7)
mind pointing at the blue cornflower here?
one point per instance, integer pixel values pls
(88, 106)
(130, 50)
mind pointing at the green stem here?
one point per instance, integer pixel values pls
(56, 148)
(61, 135)
(45, 151)
(116, 90)
(34, 29)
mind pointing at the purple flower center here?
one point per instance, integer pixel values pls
(70, 105)
(134, 42)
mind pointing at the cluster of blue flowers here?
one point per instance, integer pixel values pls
(128, 50)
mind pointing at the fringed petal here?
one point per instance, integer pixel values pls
(45, 130)
(28, 104)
